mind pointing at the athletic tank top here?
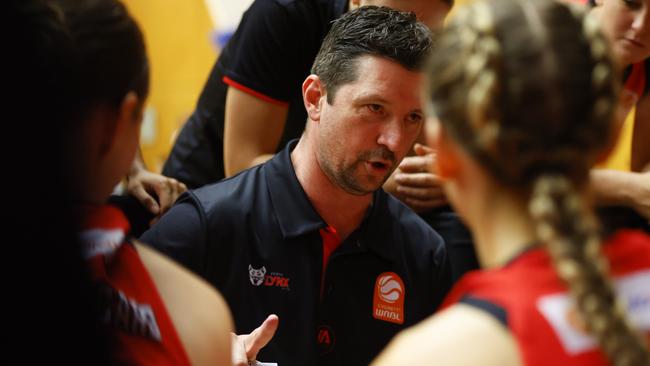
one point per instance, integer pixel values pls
(528, 297)
(130, 306)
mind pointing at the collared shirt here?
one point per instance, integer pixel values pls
(257, 238)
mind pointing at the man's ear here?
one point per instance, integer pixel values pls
(448, 159)
(313, 95)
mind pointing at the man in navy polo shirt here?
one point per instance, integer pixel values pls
(310, 235)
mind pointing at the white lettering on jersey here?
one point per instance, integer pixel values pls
(128, 315)
(560, 312)
(101, 241)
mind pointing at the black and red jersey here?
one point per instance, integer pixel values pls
(130, 305)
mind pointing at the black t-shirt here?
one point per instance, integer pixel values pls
(257, 238)
(269, 55)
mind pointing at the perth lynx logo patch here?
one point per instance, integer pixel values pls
(259, 277)
(256, 275)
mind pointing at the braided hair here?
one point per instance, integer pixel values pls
(533, 103)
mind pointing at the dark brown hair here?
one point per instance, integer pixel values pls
(370, 30)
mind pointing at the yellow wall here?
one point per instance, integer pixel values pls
(177, 33)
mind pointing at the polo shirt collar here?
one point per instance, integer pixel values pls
(376, 230)
(295, 213)
(297, 216)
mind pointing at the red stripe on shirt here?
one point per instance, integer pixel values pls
(636, 80)
(254, 93)
(331, 241)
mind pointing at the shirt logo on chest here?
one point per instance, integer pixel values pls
(388, 301)
(258, 277)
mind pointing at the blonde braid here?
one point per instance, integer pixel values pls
(481, 76)
(570, 234)
(602, 75)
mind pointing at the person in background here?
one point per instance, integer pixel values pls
(155, 311)
(515, 149)
(310, 235)
(622, 184)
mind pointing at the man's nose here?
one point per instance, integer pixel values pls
(392, 135)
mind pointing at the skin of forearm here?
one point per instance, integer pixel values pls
(612, 187)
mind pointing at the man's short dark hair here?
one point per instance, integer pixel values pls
(374, 31)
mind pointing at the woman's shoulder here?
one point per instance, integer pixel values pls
(444, 339)
(199, 313)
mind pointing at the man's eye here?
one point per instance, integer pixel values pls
(375, 108)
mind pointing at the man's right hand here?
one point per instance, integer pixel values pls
(246, 347)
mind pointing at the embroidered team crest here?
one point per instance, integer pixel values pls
(256, 275)
(388, 302)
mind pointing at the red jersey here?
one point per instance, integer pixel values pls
(636, 79)
(539, 311)
(130, 304)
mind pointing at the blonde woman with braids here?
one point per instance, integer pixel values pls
(524, 94)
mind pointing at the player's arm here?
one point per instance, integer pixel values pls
(252, 130)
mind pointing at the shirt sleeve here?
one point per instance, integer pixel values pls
(181, 234)
(267, 53)
(497, 312)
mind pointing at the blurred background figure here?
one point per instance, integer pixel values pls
(622, 183)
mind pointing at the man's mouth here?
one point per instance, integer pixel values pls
(378, 166)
